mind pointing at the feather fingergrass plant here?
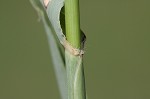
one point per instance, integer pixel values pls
(66, 42)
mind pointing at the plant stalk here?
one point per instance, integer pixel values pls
(74, 65)
(72, 22)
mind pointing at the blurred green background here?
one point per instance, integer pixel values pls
(117, 58)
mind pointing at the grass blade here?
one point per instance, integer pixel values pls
(55, 48)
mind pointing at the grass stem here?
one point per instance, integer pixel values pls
(74, 65)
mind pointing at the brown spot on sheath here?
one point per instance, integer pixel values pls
(46, 2)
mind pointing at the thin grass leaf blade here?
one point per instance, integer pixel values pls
(55, 48)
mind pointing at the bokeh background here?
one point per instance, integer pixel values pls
(117, 58)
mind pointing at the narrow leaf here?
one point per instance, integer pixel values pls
(55, 48)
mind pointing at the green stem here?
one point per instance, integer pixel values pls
(72, 22)
(74, 65)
